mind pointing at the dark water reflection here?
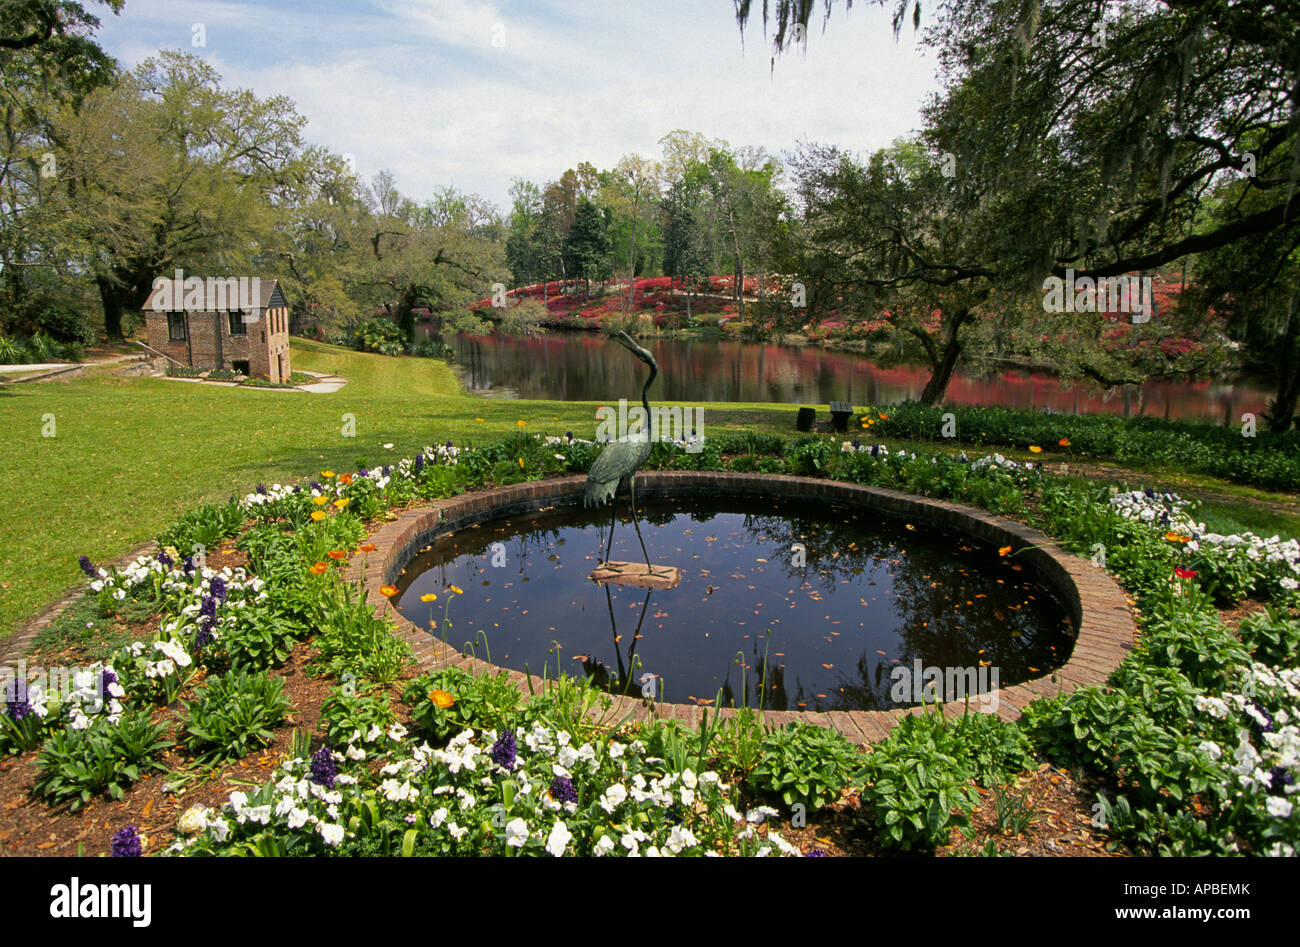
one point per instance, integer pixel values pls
(872, 595)
(584, 366)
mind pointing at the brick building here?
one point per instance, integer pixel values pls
(204, 327)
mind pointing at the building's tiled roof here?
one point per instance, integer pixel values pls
(266, 292)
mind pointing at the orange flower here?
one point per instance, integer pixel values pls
(1177, 538)
(319, 567)
(1064, 442)
(337, 554)
(441, 698)
(388, 591)
(1035, 449)
(1004, 550)
(345, 479)
(884, 417)
(367, 547)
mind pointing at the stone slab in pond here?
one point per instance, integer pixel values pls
(638, 574)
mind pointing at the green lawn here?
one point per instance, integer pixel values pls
(131, 454)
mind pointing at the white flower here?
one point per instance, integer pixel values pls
(456, 831)
(604, 845)
(219, 829)
(332, 834)
(517, 833)
(194, 820)
(558, 840)
(680, 838)
(613, 797)
(439, 817)
(760, 814)
(298, 818)
(1278, 807)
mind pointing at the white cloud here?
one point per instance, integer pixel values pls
(416, 86)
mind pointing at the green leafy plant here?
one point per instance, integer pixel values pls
(490, 701)
(234, 714)
(348, 715)
(258, 636)
(803, 764)
(76, 765)
(1015, 811)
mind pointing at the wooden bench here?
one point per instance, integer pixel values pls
(841, 411)
(807, 416)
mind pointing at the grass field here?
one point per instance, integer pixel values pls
(130, 455)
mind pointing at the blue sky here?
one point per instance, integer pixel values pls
(473, 94)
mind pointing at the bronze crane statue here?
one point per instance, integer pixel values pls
(619, 460)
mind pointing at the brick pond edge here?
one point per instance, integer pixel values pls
(1097, 606)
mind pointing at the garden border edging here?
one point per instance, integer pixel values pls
(1098, 607)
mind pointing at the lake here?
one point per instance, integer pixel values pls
(586, 366)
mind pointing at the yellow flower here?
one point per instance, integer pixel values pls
(458, 590)
(431, 597)
(327, 474)
(388, 591)
(521, 463)
(319, 501)
(521, 423)
(317, 515)
(342, 502)
(479, 420)
(1035, 449)
(1177, 538)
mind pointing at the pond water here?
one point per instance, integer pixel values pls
(872, 594)
(585, 366)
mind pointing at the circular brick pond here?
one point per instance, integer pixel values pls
(1091, 602)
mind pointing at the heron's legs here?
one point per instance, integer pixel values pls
(632, 494)
(613, 518)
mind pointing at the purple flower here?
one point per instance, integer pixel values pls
(323, 769)
(1150, 494)
(419, 461)
(126, 843)
(569, 436)
(363, 473)
(1279, 778)
(187, 563)
(218, 588)
(261, 488)
(16, 704)
(814, 853)
(165, 560)
(449, 445)
(503, 751)
(387, 470)
(562, 790)
(106, 677)
(857, 442)
(875, 450)
(88, 567)
(317, 487)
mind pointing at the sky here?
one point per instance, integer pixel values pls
(474, 94)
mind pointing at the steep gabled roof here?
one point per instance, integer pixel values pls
(266, 294)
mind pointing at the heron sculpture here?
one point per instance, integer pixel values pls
(619, 460)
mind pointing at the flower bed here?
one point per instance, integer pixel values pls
(1194, 738)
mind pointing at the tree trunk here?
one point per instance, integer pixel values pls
(947, 363)
(1281, 413)
(111, 297)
